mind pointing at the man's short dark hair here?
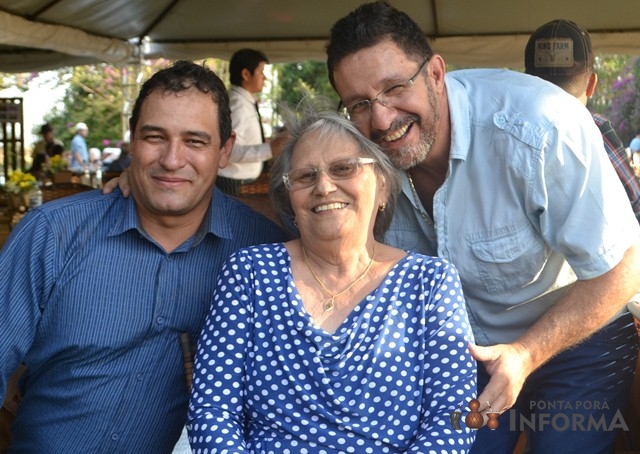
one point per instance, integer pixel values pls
(181, 76)
(45, 128)
(244, 59)
(370, 24)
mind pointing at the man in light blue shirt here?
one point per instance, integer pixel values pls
(79, 151)
(506, 176)
(97, 290)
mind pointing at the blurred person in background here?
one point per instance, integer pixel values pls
(572, 70)
(45, 148)
(123, 160)
(79, 150)
(252, 149)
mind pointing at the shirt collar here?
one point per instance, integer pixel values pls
(459, 109)
(244, 93)
(216, 222)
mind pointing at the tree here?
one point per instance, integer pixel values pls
(95, 97)
(608, 69)
(297, 80)
(624, 95)
(100, 96)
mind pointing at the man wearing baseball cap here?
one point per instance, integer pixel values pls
(79, 151)
(560, 52)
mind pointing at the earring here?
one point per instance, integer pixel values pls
(382, 207)
(295, 222)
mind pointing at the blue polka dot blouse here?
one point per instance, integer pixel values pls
(267, 380)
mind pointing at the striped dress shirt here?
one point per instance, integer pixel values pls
(94, 307)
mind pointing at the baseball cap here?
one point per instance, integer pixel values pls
(81, 127)
(558, 48)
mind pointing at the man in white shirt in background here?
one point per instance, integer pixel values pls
(246, 74)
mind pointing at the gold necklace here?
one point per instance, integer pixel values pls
(329, 304)
(416, 199)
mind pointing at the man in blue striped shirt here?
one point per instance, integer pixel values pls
(96, 290)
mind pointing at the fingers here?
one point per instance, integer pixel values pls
(110, 185)
(507, 373)
(483, 354)
(494, 396)
(122, 181)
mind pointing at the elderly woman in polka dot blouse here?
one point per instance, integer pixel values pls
(334, 342)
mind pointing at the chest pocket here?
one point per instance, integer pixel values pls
(508, 258)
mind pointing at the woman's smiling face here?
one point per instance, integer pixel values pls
(334, 208)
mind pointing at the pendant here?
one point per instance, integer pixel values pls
(328, 305)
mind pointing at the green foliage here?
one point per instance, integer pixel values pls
(297, 80)
(95, 97)
(96, 94)
(624, 96)
(608, 69)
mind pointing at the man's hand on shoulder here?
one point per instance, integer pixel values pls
(122, 181)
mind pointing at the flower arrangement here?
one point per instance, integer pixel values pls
(20, 182)
(57, 164)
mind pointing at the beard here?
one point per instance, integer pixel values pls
(412, 154)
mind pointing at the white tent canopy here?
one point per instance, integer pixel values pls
(46, 34)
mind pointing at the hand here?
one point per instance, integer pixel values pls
(122, 181)
(509, 366)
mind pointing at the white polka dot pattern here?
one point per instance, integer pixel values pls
(267, 380)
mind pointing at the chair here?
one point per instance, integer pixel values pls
(59, 190)
(256, 195)
(187, 357)
(260, 187)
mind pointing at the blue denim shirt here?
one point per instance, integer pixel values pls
(530, 204)
(95, 309)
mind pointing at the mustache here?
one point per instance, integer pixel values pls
(377, 135)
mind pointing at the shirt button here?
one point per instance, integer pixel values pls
(160, 320)
(114, 437)
(139, 377)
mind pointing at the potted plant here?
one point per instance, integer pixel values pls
(58, 168)
(18, 188)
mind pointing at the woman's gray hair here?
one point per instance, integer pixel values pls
(314, 115)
